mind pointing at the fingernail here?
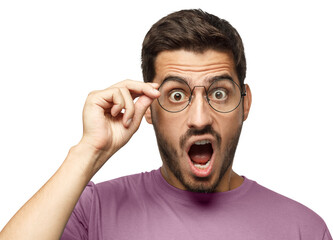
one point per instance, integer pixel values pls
(155, 91)
(129, 121)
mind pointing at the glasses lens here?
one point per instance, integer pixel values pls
(175, 95)
(224, 95)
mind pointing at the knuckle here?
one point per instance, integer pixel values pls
(123, 90)
(92, 94)
(125, 82)
(117, 91)
(130, 106)
(114, 90)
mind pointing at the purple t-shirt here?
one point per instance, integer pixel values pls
(145, 206)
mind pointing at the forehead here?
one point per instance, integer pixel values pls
(195, 68)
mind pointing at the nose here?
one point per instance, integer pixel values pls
(199, 112)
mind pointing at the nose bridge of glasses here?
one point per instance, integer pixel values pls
(203, 92)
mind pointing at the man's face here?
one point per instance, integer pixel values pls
(197, 145)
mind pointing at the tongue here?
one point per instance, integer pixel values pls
(200, 153)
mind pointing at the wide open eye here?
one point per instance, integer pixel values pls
(177, 96)
(218, 94)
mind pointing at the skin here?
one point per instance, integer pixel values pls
(106, 129)
(175, 131)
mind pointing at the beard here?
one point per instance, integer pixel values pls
(171, 157)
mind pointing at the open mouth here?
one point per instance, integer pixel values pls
(200, 154)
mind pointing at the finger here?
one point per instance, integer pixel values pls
(154, 85)
(129, 106)
(104, 98)
(155, 93)
(140, 88)
(141, 107)
(118, 102)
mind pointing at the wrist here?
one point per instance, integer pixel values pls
(86, 159)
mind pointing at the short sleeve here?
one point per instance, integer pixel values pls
(77, 225)
(327, 235)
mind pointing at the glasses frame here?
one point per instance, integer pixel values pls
(243, 94)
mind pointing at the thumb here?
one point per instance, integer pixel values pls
(140, 107)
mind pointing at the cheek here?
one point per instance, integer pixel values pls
(229, 124)
(157, 114)
(168, 124)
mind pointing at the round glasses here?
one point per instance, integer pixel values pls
(223, 95)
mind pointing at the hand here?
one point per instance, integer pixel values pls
(106, 128)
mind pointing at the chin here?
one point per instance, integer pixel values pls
(201, 187)
(202, 184)
(185, 162)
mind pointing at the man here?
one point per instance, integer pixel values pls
(194, 95)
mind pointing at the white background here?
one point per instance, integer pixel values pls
(53, 53)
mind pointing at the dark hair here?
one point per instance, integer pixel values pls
(191, 30)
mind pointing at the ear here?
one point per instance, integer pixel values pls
(148, 116)
(247, 101)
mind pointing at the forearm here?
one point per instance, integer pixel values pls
(105, 130)
(45, 215)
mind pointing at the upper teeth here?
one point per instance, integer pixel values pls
(202, 142)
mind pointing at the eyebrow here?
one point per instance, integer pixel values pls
(220, 77)
(175, 78)
(210, 80)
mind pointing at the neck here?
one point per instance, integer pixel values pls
(229, 181)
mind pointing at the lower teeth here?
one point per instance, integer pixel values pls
(200, 166)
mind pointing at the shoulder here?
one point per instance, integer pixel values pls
(131, 185)
(127, 181)
(287, 211)
(124, 191)
(280, 201)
